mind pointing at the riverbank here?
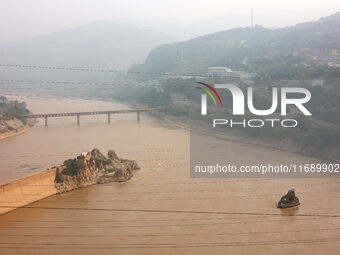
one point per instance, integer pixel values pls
(10, 128)
(12, 120)
(15, 132)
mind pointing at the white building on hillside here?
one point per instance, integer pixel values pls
(219, 72)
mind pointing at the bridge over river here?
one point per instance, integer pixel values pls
(78, 114)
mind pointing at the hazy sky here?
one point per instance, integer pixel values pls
(20, 19)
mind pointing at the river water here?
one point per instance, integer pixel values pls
(161, 210)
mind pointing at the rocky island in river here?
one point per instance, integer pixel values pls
(91, 168)
(289, 200)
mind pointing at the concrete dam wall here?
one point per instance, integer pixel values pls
(27, 190)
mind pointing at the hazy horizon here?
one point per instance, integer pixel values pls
(21, 20)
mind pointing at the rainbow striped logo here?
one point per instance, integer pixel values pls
(209, 93)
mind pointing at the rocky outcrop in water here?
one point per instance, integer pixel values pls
(93, 168)
(288, 200)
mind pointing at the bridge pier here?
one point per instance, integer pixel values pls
(65, 114)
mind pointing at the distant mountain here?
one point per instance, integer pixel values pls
(97, 44)
(198, 28)
(251, 48)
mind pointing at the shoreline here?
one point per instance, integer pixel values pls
(10, 134)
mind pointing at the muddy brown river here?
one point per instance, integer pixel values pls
(161, 210)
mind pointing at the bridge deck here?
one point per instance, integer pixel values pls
(62, 114)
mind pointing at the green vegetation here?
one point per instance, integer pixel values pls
(285, 53)
(147, 96)
(325, 103)
(73, 167)
(111, 170)
(291, 53)
(98, 163)
(177, 110)
(12, 109)
(312, 136)
(159, 97)
(177, 86)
